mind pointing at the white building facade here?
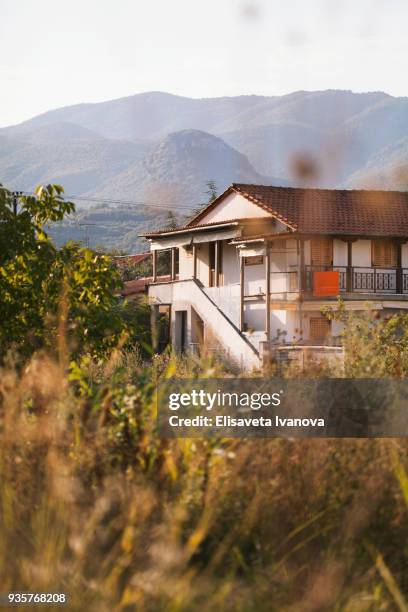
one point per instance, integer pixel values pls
(252, 272)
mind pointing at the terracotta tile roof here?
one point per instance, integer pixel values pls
(123, 260)
(139, 285)
(186, 228)
(333, 211)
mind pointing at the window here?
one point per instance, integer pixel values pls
(215, 247)
(384, 253)
(321, 250)
(253, 260)
(211, 252)
(319, 329)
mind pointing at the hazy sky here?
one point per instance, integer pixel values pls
(59, 52)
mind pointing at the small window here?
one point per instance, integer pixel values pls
(213, 250)
(253, 260)
(319, 329)
(321, 251)
(384, 254)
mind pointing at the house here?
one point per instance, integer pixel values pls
(252, 271)
(131, 260)
(138, 287)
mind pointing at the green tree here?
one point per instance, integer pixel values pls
(171, 221)
(211, 191)
(211, 196)
(41, 285)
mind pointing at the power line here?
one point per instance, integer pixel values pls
(144, 203)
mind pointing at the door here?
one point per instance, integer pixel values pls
(181, 330)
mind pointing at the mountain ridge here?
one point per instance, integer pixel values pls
(159, 146)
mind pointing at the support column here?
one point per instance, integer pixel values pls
(194, 261)
(349, 273)
(173, 264)
(216, 264)
(302, 275)
(399, 287)
(241, 282)
(268, 295)
(154, 266)
(154, 326)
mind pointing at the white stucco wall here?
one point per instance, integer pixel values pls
(284, 321)
(404, 255)
(255, 315)
(361, 253)
(254, 279)
(234, 206)
(230, 263)
(202, 263)
(185, 263)
(339, 252)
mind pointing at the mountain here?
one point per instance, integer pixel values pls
(111, 227)
(64, 153)
(388, 169)
(178, 168)
(156, 147)
(149, 115)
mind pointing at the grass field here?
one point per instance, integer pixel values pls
(93, 504)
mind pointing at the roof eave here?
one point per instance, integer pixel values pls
(188, 230)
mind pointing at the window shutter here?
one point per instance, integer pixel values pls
(321, 251)
(319, 328)
(384, 254)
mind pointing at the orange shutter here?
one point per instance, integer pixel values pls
(326, 283)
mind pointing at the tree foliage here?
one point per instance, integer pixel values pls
(41, 285)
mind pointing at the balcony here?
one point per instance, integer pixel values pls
(364, 280)
(358, 280)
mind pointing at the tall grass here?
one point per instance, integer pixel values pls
(93, 504)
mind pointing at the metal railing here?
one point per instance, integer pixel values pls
(309, 270)
(363, 279)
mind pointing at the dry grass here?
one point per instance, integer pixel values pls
(93, 504)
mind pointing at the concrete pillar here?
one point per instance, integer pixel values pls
(154, 266)
(194, 261)
(268, 294)
(241, 281)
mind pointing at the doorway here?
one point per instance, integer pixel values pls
(181, 330)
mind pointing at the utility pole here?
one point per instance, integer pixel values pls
(16, 195)
(86, 225)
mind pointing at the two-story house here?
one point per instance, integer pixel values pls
(252, 271)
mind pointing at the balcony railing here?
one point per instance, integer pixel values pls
(311, 269)
(363, 279)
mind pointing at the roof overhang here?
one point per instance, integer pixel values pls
(188, 230)
(190, 238)
(241, 240)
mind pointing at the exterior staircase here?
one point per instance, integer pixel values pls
(190, 293)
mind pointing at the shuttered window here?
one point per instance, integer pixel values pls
(319, 328)
(321, 251)
(384, 254)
